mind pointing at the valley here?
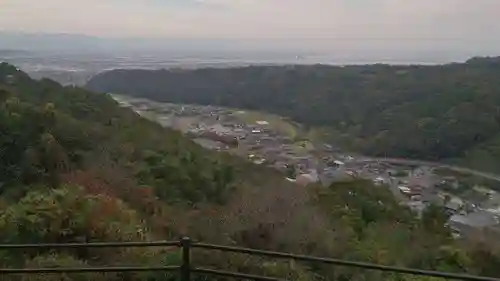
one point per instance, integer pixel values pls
(223, 140)
(415, 184)
(442, 113)
(84, 166)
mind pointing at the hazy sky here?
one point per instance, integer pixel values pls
(462, 24)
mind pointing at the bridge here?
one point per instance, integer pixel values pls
(186, 269)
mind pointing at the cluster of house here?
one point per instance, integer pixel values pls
(220, 129)
(260, 145)
(420, 187)
(465, 217)
(468, 218)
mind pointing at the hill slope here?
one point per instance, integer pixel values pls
(75, 167)
(423, 112)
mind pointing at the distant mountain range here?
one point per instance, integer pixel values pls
(8, 52)
(288, 50)
(45, 42)
(75, 43)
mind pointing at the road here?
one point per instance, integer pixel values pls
(400, 161)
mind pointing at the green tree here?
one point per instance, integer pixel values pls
(291, 171)
(434, 219)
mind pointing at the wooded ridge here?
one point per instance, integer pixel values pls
(75, 167)
(421, 112)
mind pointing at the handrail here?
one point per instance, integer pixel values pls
(92, 245)
(185, 269)
(86, 269)
(234, 275)
(343, 262)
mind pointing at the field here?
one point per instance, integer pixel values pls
(184, 123)
(276, 123)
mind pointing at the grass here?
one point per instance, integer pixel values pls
(151, 115)
(184, 123)
(329, 135)
(276, 123)
(303, 146)
(318, 134)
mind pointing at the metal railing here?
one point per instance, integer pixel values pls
(186, 268)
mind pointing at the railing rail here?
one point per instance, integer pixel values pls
(87, 269)
(92, 245)
(186, 268)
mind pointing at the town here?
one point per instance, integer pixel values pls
(473, 205)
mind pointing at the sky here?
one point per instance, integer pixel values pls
(469, 26)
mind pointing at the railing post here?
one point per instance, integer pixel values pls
(186, 259)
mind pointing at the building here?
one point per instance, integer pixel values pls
(417, 207)
(306, 179)
(338, 163)
(328, 176)
(431, 196)
(379, 181)
(259, 161)
(219, 129)
(453, 207)
(405, 189)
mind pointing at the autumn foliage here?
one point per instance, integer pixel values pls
(75, 167)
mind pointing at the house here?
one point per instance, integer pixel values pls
(452, 207)
(379, 181)
(350, 173)
(329, 176)
(422, 183)
(262, 123)
(219, 129)
(417, 207)
(306, 179)
(432, 197)
(338, 163)
(327, 147)
(259, 161)
(404, 189)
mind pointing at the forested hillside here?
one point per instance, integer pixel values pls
(423, 112)
(75, 167)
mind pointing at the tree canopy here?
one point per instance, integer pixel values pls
(75, 167)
